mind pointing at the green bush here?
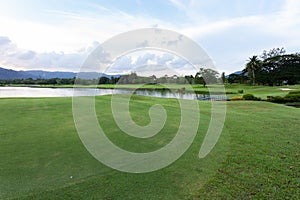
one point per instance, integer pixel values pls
(240, 91)
(292, 97)
(294, 92)
(251, 97)
(277, 99)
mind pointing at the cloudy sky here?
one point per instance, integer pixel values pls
(58, 35)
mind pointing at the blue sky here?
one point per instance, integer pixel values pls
(59, 34)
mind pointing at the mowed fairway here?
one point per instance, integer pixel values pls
(42, 157)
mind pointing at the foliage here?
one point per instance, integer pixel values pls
(52, 81)
(295, 92)
(223, 79)
(251, 97)
(276, 99)
(206, 76)
(237, 78)
(251, 67)
(275, 68)
(293, 96)
(280, 69)
(133, 78)
(190, 79)
(61, 81)
(272, 53)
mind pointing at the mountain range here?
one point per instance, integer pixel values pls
(9, 74)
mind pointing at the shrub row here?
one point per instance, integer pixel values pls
(293, 96)
(249, 97)
(294, 92)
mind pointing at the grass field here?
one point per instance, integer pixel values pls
(42, 157)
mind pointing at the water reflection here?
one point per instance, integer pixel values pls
(6, 92)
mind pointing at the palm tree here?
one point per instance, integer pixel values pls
(253, 64)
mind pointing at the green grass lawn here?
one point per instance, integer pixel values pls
(42, 156)
(260, 91)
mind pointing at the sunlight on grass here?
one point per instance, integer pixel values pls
(42, 156)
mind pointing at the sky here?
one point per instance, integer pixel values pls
(58, 35)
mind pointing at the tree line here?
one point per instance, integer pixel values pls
(273, 67)
(204, 76)
(61, 81)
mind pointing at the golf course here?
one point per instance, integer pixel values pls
(150, 100)
(256, 157)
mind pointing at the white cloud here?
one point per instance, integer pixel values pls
(152, 62)
(70, 30)
(16, 58)
(231, 41)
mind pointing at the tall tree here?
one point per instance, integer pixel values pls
(280, 69)
(254, 63)
(223, 78)
(206, 76)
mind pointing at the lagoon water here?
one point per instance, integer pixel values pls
(6, 92)
(10, 92)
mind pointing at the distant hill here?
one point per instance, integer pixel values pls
(48, 75)
(237, 73)
(6, 74)
(9, 74)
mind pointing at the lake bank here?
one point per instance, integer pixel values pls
(230, 89)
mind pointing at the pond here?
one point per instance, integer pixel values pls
(8, 92)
